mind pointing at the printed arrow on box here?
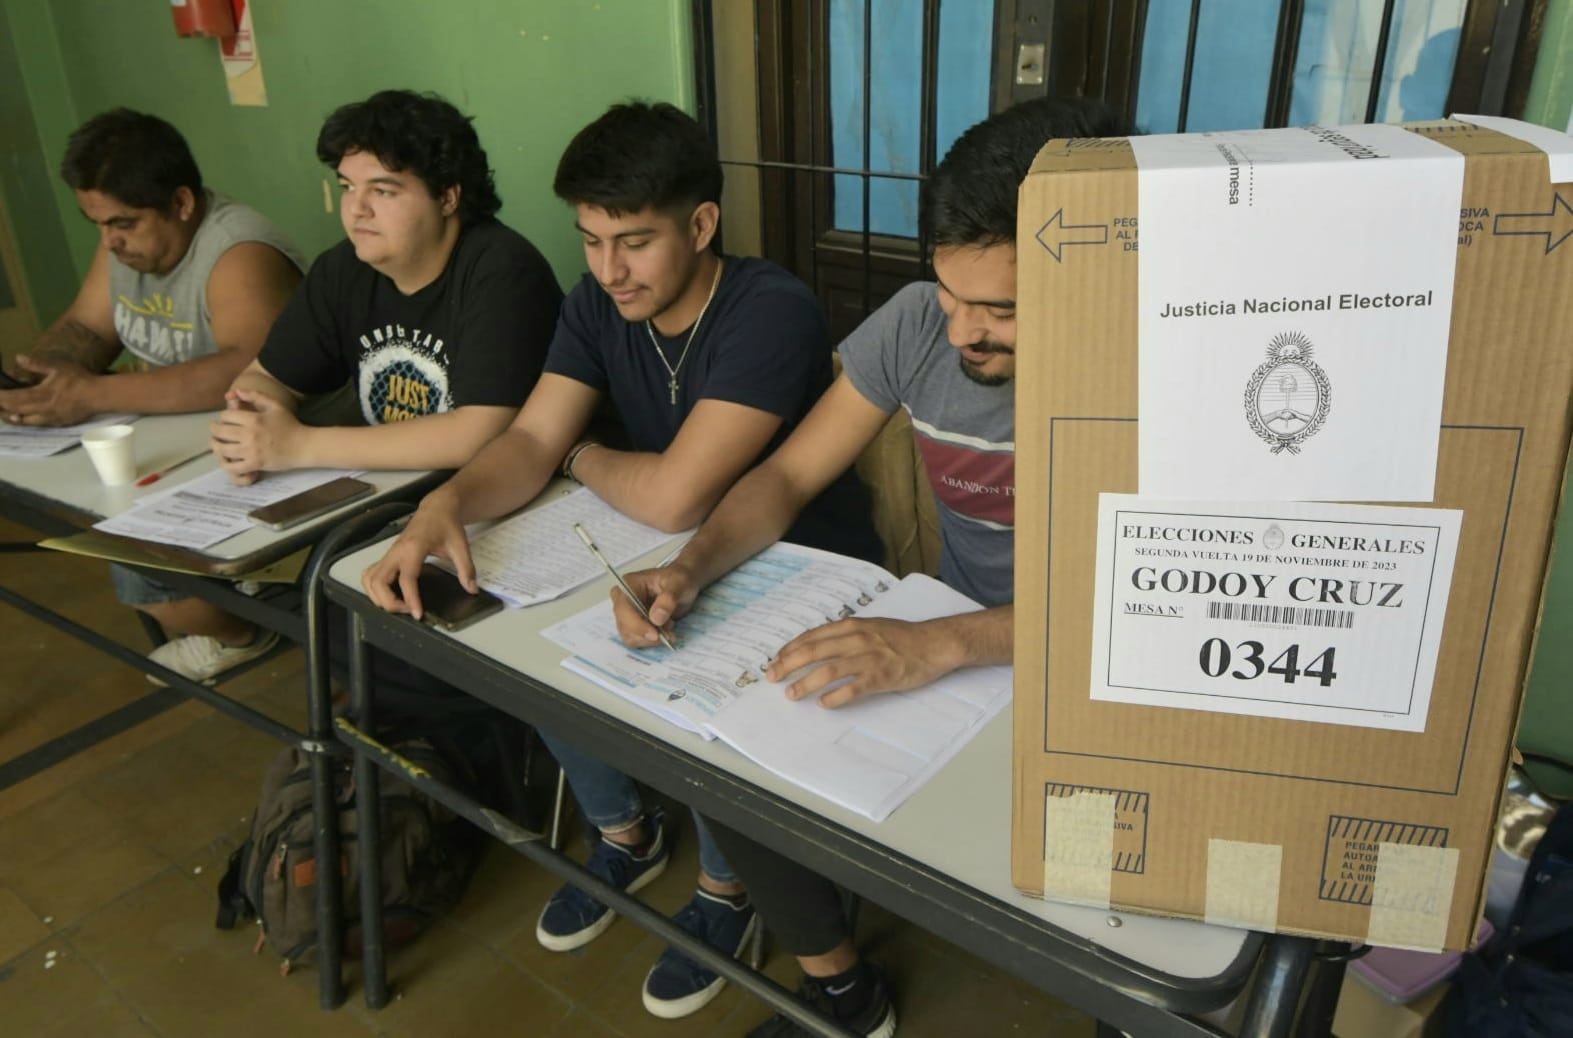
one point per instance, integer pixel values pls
(1555, 224)
(1055, 235)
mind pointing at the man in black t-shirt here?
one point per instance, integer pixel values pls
(439, 315)
(710, 361)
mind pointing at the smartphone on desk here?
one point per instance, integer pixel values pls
(446, 604)
(308, 504)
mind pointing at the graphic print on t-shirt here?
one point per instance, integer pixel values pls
(149, 329)
(972, 477)
(403, 375)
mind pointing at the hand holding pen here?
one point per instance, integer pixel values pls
(632, 597)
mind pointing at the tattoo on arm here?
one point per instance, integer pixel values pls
(71, 341)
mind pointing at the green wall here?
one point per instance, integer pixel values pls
(27, 172)
(1550, 101)
(531, 72)
(1548, 712)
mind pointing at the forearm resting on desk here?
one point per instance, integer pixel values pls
(675, 489)
(254, 379)
(63, 376)
(66, 392)
(436, 441)
(983, 639)
(504, 475)
(639, 485)
(875, 655)
(68, 339)
(194, 385)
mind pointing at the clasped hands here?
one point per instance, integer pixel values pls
(255, 434)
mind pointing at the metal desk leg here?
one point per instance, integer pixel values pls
(320, 741)
(559, 798)
(529, 844)
(319, 726)
(368, 815)
(1326, 981)
(1275, 991)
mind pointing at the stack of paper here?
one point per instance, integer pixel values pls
(200, 513)
(40, 441)
(535, 556)
(868, 756)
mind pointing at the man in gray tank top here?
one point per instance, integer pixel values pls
(184, 279)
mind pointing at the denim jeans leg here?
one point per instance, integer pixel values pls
(138, 589)
(609, 798)
(711, 861)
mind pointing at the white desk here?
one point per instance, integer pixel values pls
(62, 494)
(941, 859)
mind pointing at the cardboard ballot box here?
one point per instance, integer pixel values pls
(1293, 415)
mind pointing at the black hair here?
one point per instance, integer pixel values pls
(970, 198)
(137, 158)
(419, 133)
(640, 156)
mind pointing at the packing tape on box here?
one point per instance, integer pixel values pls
(1078, 847)
(1242, 884)
(1412, 896)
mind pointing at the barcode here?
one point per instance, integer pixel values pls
(1271, 614)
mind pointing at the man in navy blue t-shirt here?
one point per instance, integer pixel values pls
(710, 361)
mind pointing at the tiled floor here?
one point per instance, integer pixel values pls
(108, 862)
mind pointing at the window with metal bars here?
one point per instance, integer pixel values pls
(829, 113)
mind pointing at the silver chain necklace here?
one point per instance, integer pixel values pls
(672, 371)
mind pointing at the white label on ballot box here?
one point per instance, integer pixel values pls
(1295, 297)
(1313, 612)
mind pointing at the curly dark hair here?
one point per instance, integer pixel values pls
(137, 158)
(640, 156)
(970, 198)
(421, 133)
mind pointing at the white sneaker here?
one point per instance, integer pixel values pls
(203, 659)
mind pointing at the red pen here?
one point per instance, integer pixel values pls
(154, 477)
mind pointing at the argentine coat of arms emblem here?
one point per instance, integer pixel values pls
(1288, 396)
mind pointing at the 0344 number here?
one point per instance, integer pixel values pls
(1217, 658)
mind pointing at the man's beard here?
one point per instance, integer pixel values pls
(977, 375)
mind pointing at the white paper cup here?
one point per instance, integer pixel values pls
(110, 448)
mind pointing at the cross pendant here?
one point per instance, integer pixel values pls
(672, 385)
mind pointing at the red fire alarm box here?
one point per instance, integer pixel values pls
(203, 17)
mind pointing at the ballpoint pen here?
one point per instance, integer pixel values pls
(154, 477)
(588, 543)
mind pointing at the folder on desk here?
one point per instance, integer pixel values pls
(97, 545)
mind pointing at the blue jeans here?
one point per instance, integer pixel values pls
(136, 589)
(610, 800)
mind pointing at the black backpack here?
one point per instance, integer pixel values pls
(1520, 985)
(428, 855)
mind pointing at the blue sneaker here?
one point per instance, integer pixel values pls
(876, 1018)
(572, 918)
(676, 984)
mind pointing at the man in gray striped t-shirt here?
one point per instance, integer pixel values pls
(184, 279)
